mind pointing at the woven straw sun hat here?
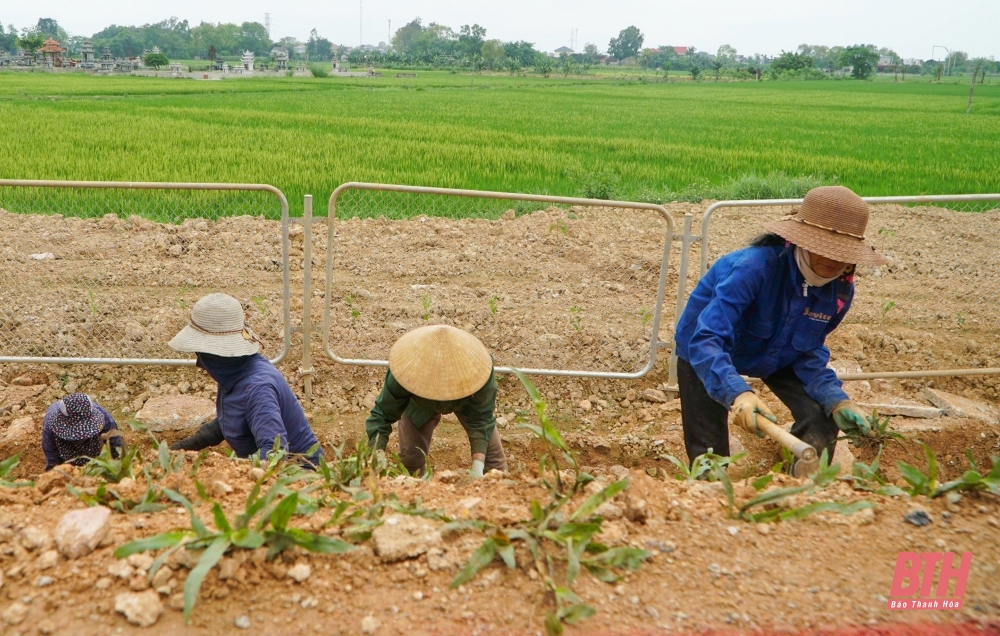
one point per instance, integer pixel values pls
(217, 326)
(441, 363)
(76, 418)
(830, 222)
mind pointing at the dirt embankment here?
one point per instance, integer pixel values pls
(555, 288)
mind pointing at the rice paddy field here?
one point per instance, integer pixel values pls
(520, 134)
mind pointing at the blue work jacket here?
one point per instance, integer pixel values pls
(753, 313)
(256, 405)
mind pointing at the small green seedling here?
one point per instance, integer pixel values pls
(425, 302)
(7, 466)
(887, 307)
(260, 302)
(493, 304)
(575, 317)
(645, 315)
(349, 301)
(92, 301)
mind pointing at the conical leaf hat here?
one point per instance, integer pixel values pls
(442, 363)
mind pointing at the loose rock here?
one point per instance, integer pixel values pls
(300, 572)
(369, 624)
(15, 614)
(142, 609)
(404, 537)
(175, 412)
(242, 621)
(654, 395)
(80, 531)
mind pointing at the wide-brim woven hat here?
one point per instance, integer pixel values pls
(217, 326)
(830, 222)
(442, 363)
(75, 418)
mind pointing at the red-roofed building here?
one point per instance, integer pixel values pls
(681, 50)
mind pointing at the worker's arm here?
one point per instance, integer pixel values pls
(52, 456)
(480, 420)
(714, 335)
(389, 407)
(263, 415)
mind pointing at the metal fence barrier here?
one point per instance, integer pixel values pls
(548, 292)
(107, 272)
(943, 281)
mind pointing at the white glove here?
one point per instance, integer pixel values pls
(477, 467)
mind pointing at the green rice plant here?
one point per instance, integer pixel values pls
(972, 480)
(7, 466)
(766, 506)
(561, 544)
(866, 477)
(264, 521)
(881, 433)
(919, 482)
(108, 468)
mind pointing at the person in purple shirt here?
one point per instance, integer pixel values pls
(74, 430)
(254, 406)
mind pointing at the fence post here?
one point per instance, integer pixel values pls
(681, 293)
(307, 371)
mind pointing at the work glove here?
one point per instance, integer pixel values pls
(477, 467)
(850, 418)
(745, 409)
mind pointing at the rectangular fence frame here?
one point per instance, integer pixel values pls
(138, 185)
(655, 342)
(944, 198)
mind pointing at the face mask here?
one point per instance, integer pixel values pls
(814, 279)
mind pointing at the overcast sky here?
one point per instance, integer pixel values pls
(910, 27)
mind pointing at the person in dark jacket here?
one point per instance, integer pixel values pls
(435, 370)
(765, 311)
(74, 430)
(254, 405)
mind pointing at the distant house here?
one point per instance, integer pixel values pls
(885, 63)
(913, 62)
(680, 50)
(564, 49)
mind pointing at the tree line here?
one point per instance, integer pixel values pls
(437, 45)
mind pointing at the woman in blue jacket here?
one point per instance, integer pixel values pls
(765, 311)
(254, 406)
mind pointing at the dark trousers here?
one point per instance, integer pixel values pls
(706, 422)
(210, 434)
(415, 445)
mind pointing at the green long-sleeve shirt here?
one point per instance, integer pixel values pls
(476, 409)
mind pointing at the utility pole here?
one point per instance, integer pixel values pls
(361, 13)
(267, 24)
(388, 33)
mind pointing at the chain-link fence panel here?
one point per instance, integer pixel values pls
(109, 272)
(551, 285)
(938, 294)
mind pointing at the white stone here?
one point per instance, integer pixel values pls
(905, 410)
(142, 609)
(609, 511)
(654, 395)
(46, 560)
(15, 614)
(957, 406)
(242, 621)
(842, 455)
(220, 489)
(300, 572)
(34, 538)
(141, 561)
(121, 570)
(80, 531)
(175, 412)
(404, 537)
(369, 624)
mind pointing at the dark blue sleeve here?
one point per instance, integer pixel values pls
(819, 381)
(715, 333)
(52, 457)
(111, 425)
(263, 415)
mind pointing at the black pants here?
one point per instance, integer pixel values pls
(706, 422)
